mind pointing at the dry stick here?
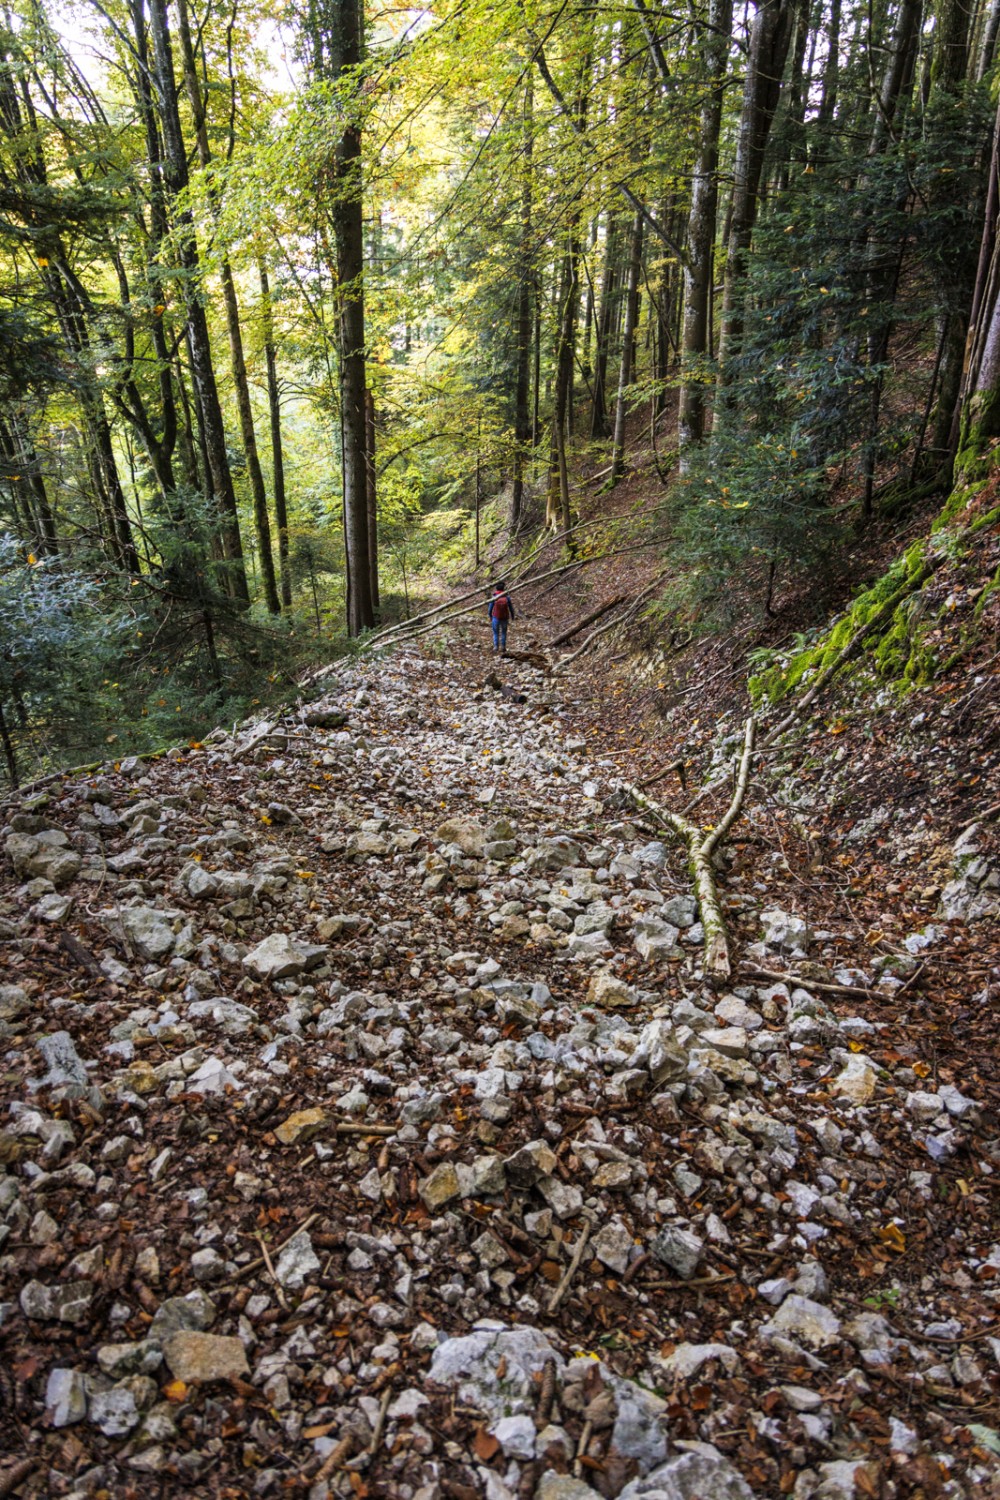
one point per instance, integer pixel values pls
(682, 1286)
(675, 765)
(255, 1265)
(335, 1459)
(270, 1271)
(852, 648)
(381, 1130)
(595, 614)
(989, 812)
(573, 1266)
(701, 847)
(778, 977)
(373, 1446)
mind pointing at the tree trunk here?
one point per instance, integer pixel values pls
(769, 38)
(699, 267)
(522, 384)
(831, 68)
(628, 340)
(335, 28)
(241, 385)
(599, 417)
(199, 345)
(277, 451)
(371, 491)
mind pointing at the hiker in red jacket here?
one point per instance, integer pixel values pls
(500, 610)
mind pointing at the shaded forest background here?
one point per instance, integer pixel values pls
(302, 306)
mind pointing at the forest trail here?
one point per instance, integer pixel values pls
(369, 1130)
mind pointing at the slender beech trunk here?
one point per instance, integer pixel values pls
(599, 427)
(199, 344)
(949, 68)
(769, 38)
(882, 263)
(371, 494)
(980, 405)
(277, 451)
(525, 271)
(628, 342)
(237, 358)
(699, 267)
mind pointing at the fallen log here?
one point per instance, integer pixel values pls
(595, 614)
(701, 847)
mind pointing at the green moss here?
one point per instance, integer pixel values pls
(896, 656)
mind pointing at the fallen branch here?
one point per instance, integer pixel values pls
(595, 614)
(683, 1286)
(675, 765)
(701, 848)
(572, 1268)
(776, 977)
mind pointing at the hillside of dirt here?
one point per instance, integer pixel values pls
(370, 1127)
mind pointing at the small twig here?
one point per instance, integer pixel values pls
(683, 1286)
(373, 1446)
(255, 1265)
(335, 1459)
(383, 1130)
(270, 1271)
(581, 1447)
(572, 1268)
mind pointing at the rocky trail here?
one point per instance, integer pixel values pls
(369, 1129)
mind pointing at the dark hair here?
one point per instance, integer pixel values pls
(498, 585)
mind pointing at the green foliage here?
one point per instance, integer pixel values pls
(901, 654)
(56, 644)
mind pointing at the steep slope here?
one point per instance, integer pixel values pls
(369, 1129)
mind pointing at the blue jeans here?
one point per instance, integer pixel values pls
(499, 634)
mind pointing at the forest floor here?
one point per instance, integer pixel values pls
(371, 1130)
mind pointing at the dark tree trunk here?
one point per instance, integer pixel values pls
(241, 385)
(522, 382)
(371, 490)
(599, 427)
(628, 342)
(277, 451)
(335, 33)
(699, 268)
(769, 38)
(199, 345)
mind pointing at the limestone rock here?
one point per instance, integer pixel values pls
(281, 957)
(204, 1357)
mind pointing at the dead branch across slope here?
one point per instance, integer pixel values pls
(701, 847)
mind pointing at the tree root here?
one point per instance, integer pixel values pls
(701, 847)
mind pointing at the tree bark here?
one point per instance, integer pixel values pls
(699, 266)
(525, 267)
(336, 36)
(199, 344)
(277, 450)
(237, 358)
(769, 38)
(628, 341)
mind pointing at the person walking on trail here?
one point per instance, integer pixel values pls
(500, 610)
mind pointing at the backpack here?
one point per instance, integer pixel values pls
(501, 607)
